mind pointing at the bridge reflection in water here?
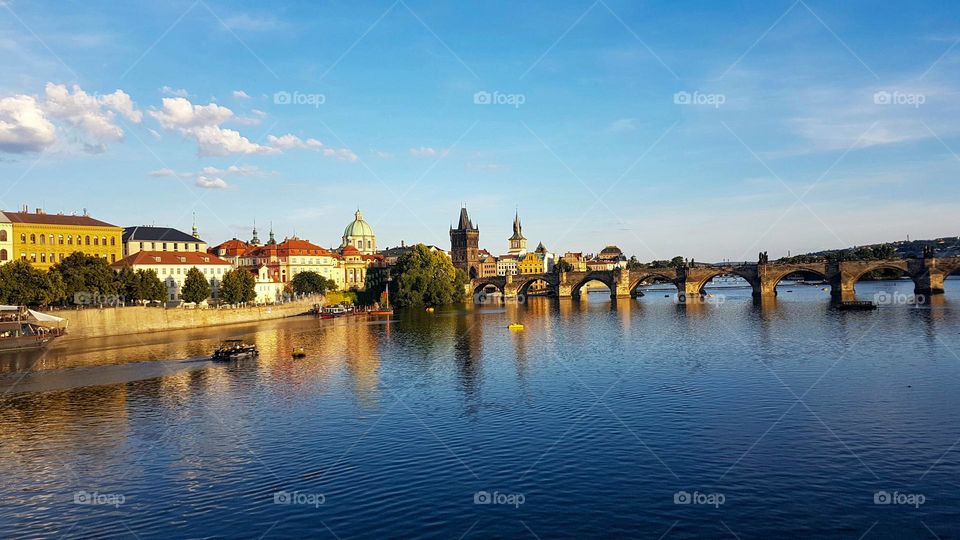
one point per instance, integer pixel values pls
(927, 275)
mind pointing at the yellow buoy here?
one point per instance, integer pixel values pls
(429, 310)
(515, 326)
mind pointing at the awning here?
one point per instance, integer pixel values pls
(43, 317)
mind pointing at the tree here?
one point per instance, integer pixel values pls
(633, 263)
(425, 278)
(149, 286)
(312, 283)
(196, 288)
(87, 275)
(128, 284)
(22, 284)
(238, 286)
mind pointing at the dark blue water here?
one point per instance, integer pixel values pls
(598, 419)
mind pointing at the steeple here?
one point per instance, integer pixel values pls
(465, 223)
(255, 241)
(272, 240)
(517, 228)
(196, 233)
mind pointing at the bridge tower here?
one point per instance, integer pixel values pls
(465, 246)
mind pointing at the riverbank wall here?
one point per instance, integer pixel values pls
(119, 321)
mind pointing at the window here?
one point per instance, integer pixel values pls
(369, 244)
(60, 239)
(113, 257)
(141, 246)
(23, 256)
(175, 246)
(3, 254)
(88, 240)
(33, 257)
(23, 238)
(113, 240)
(43, 239)
(103, 240)
(164, 246)
(61, 257)
(96, 241)
(3, 236)
(51, 239)
(69, 240)
(33, 239)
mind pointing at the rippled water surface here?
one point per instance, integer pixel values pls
(593, 421)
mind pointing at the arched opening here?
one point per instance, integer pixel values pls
(591, 287)
(802, 284)
(652, 285)
(3, 236)
(885, 285)
(473, 272)
(536, 287)
(487, 292)
(727, 282)
(3, 255)
(951, 281)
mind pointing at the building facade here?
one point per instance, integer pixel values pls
(465, 246)
(6, 239)
(359, 234)
(286, 259)
(45, 239)
(531, 263)
(160, 239)
(231, 250)
(172, 268)
(576, 260)
(507, 265)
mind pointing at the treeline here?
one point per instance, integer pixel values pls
(82, 279)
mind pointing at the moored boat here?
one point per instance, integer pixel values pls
(24, 329)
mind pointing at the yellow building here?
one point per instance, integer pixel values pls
(46, 239)
(531, 263)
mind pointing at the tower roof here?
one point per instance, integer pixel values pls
(358, 227)
(517, 228)
(465, 222)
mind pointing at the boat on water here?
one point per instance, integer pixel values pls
(863, 305)
(235, 349)
(22, 328)
(383, 309)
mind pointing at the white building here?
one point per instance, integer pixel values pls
(160, 239)
(507, 265)
(172, 269)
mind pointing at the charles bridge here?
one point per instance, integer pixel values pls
(927, 274)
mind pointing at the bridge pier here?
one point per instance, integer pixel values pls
(929, 280)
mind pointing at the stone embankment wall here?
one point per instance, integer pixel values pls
(90, 323)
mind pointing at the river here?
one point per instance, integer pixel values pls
(636, 418)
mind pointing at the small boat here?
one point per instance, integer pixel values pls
(859, 305)
(515, 326)
(234, 349)
(384, 310)
(23, 329)
(299, 353)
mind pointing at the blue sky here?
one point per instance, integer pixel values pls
(706, 129)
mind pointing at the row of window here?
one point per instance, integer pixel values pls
(43, 257)
(181, 271)
(176, 246)
(60, 239)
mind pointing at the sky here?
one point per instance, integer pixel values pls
(711, 130)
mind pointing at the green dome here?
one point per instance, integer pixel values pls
(359, 227)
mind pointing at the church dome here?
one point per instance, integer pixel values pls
(359, 227)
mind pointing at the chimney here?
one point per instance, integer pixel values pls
(39, 211)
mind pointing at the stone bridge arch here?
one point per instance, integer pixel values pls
(697, 278)
(523, 283)
(638, 277)
(480, 284)
(843, 285)
(603, 276)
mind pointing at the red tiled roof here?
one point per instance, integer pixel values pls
(232, 247)
(55, 219)
(150, 258)
(290, 247)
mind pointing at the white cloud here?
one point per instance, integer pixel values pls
(208, 182)
(23, 125)
(255, 118)
(175, 92)
(240, 94)
(92, 115)
(179, 113)
(343, 154)
(423, 151)
(290, 141)
(243, 170)
(165, 172)
(218, 141)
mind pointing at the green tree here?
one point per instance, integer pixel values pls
(85, 274)
(238, 286)
(425, 278)
(196, 288)
(633, 263)
(22, 284)
(149, 286)
(562, 266)
(312, 283)
(128, 284)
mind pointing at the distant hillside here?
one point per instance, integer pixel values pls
(943, 247)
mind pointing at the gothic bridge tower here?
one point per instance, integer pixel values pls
(465, 246)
